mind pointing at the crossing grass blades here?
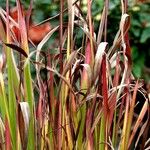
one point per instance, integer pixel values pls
(87, 97)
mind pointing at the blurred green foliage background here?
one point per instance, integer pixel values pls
(139, 11)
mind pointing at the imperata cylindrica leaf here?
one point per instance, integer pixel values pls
(24, 120)
(98, 58)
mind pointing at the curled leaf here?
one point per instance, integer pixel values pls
(23, 120)
(98, 58)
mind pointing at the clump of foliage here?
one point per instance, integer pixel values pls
(139, 31)
(82, 97)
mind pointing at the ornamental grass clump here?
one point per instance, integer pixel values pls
(80, 95)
